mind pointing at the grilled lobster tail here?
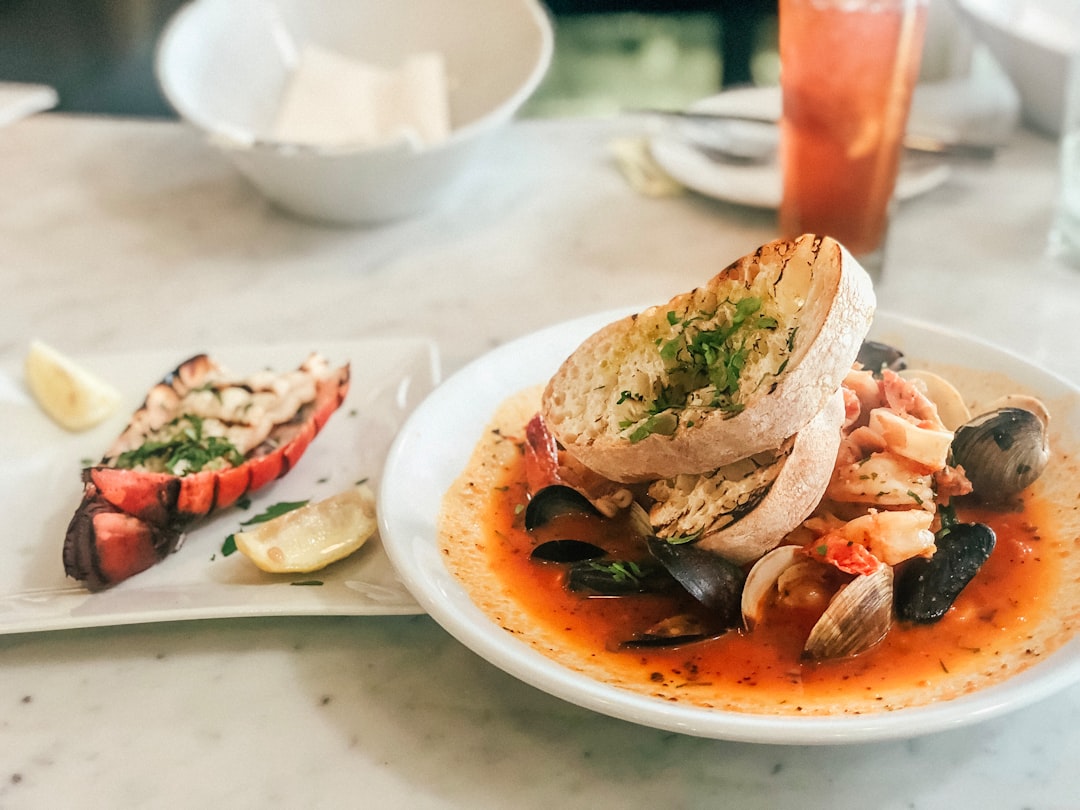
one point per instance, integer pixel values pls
(105, 545)
(131, 518)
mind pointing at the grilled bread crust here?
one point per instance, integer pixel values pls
(755, 512)
(814, 307)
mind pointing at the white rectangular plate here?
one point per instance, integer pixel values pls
(40, 488)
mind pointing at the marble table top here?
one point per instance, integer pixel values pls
(118, 235)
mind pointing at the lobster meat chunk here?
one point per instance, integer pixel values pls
(201, 440)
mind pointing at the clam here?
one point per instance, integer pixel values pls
(762, 581)
(857, 618)
(1005, 449)
(927, 587)
(952, 409)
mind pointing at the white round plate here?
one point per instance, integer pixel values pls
(758, 185)
(433, 447)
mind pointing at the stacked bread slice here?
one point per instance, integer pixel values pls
(726, 398)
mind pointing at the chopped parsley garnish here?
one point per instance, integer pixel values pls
(184, 449)
(681, 539)
(622, 571)
(663, 423)
(271, 512)
(701, 358)
(947, 515)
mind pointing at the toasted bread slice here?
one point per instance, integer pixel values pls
(717, 374)
(746, 508)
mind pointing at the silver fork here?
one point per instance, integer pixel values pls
(761, 149)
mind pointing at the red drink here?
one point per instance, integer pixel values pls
(848, 68)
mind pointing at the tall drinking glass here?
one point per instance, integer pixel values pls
(847, 72)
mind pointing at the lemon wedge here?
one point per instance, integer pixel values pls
(313, 536)
(72, 396)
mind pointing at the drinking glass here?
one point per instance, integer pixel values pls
(847, 72)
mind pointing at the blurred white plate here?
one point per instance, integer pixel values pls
(758, 185)
(40, 488)
(21, 100)
(436, 442)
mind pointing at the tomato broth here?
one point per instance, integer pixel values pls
(764, 669)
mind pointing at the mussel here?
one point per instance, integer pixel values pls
(606, 577)
(876, 357)
(555, 501)
(675, 631)
(567, 551)
(705, 575)
(712, 580)
(1005, 449)
(590, 569)
(926, 587)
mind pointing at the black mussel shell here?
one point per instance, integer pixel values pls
(553, 501)
(674, 631)
(566, 551)
(748, 503)
(876, 357)
(617, 578)
(925, 588)
(711, 579)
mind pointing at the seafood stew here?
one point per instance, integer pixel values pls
(664, 641)
(1037, 539)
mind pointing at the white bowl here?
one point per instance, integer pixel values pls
(435, 443)
(224, 64)
(1032, 40)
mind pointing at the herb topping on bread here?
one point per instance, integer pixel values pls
(720, 373)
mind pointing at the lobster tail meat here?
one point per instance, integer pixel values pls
(200, 441)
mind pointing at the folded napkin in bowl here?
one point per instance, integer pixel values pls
(333, 100)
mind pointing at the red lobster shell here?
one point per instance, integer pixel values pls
(130, 519)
